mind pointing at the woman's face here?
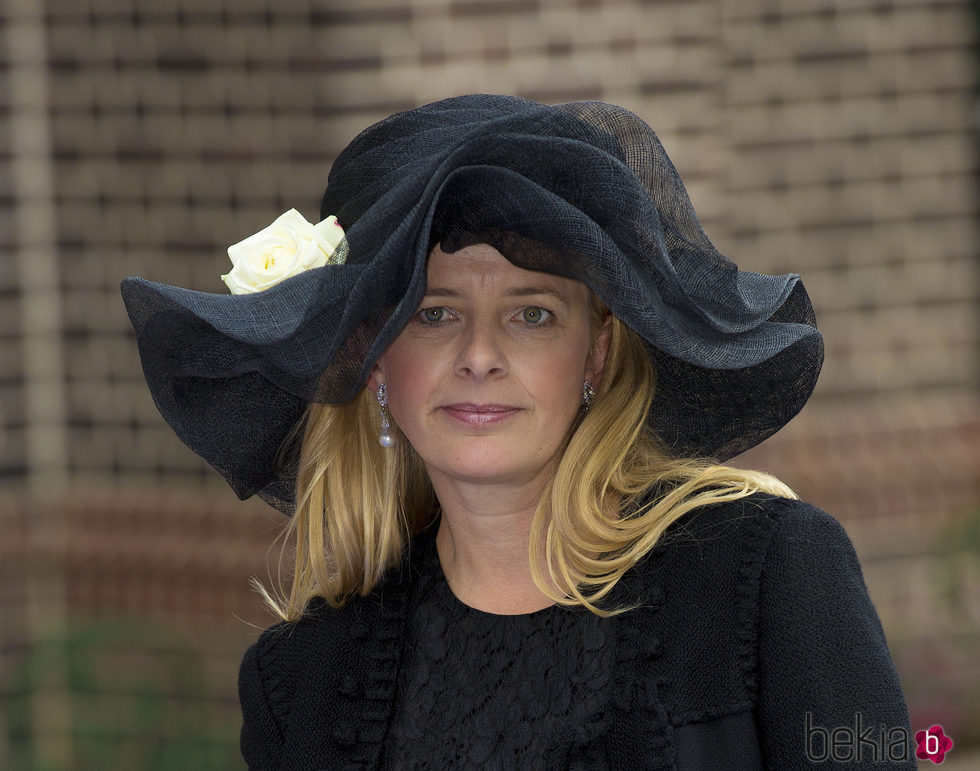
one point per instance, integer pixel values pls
(486, 378)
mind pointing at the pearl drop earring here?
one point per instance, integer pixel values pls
(386, 438)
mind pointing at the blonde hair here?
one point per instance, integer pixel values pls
(358, 504)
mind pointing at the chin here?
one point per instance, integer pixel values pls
(485, 459)
(489, 468)
(484, 471)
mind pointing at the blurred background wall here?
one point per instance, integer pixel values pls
(834, 138)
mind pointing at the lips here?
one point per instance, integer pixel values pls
(480, 414)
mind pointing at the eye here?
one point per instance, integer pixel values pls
(535, 316)
(433, 315)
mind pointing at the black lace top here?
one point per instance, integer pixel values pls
(480, 690)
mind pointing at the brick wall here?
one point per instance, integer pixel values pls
(834, 138)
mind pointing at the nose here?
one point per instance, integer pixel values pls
(480, 353)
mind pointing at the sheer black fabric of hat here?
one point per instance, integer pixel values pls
(584, 190)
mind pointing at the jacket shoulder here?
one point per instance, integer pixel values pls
(270, 683)
(316, 691)
(288, 656)
(705, 578)
(724, 551)
(760, 509)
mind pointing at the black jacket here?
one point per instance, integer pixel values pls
(755, 646)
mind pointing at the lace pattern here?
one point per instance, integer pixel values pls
(482, 690)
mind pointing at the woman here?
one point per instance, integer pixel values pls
(496, 410)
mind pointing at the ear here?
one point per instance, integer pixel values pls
(596, 361)
(377, 376)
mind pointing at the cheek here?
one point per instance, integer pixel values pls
(558, 375)
(400, 361)
(410, 375)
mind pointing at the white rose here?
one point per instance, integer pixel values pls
(288, 246)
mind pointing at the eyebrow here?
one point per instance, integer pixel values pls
(518, 291)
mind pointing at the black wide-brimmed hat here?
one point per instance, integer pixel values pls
(583, 190)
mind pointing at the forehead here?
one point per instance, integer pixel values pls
(482, 267)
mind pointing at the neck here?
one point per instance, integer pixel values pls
(483, 542)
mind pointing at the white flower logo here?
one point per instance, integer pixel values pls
(287, 247)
